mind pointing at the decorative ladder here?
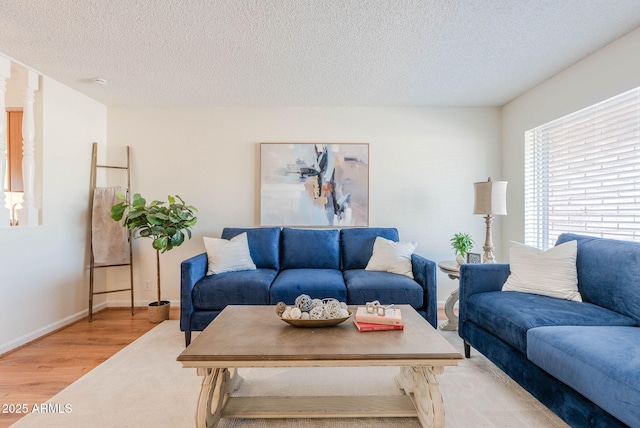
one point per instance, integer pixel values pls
(93, 266)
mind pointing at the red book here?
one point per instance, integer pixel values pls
(363, 326)
(392, 316)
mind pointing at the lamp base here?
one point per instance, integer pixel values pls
(488, 256)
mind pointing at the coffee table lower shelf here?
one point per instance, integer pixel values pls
(397, 406)
(421, 399)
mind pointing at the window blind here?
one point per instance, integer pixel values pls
(582, 173)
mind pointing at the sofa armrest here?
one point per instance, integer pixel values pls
(192, 270)
(424, 272)
(478, 278)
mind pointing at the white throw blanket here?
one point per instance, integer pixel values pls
(109, 238)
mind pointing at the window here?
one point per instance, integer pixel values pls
(582, 173)
(13, 164)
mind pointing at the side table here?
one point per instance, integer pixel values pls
(451, 268)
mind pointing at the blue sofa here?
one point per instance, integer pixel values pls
(289, 262)
(580, 359)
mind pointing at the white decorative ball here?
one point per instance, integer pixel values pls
(304, 302)
(304, 316)
(316, 303)
(317, 313)
(344, 313)
(287, 313)
(295, 313)
(331, 308)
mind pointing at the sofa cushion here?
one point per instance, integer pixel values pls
(357, 244)
(392, 256)
(310, 249)
(249, 287)
(600, 363)
(366, 286)
(608, 272)
(225, 255)
(549, 273)
(317, 283)
(509, 314)
(264, 244)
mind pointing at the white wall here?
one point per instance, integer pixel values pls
(610, 71)
(43, 274)
(423, 162)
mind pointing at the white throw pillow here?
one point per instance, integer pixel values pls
(390, 256)
(550, 273)
(228, 255)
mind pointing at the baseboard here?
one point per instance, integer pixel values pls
(53, 327)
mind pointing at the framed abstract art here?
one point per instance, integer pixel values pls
(314, 184)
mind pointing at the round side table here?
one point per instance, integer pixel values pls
(452, 269)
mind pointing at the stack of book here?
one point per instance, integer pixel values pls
(368, 321)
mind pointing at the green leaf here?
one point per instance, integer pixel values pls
(144, 233)
(154, 219)
(137, 222)
(171, 199)
(161, 215)
(138, 201)
(135, 214)
(177, 239)
(161, 243)
(174, 218)
(117, 211)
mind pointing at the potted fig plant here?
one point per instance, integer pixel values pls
(461, 244)
(165, 224)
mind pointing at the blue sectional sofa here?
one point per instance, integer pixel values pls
(289, 262)
(580, 359)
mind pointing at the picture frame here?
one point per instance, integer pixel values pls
(474, 258)
(314, 184)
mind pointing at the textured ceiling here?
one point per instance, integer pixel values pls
(308, 52)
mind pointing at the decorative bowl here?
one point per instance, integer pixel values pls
(315, 323)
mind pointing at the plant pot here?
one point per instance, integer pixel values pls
(460, 260)
(159, 313)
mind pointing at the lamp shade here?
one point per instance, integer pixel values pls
(490, 197)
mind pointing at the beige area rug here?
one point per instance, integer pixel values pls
(144, 386)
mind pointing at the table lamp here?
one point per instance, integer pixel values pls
(490, 200)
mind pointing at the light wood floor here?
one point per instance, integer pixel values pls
(39, 370)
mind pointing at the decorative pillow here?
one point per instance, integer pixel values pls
(390, 256)
(228, 255)
(550, 273)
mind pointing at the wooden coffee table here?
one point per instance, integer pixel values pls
(253, 336)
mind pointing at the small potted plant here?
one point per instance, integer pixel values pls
(165, 224)
(461, 244)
